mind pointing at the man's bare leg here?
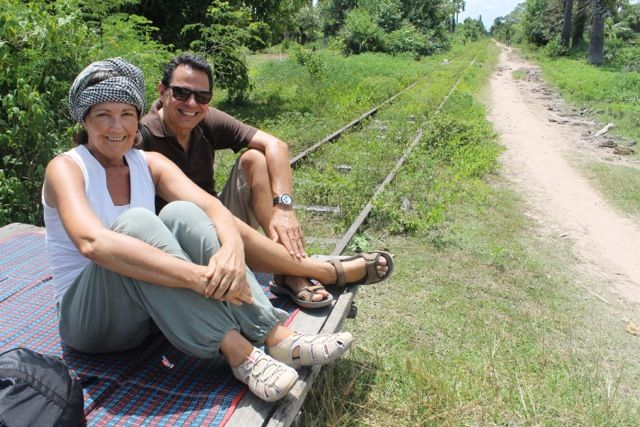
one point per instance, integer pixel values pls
(263, 254)
(254, 167)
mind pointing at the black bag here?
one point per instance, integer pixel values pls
(38, 390)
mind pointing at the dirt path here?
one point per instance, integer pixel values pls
(564, 203)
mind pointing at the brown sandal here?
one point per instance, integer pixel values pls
(304, 297)
(371, 262)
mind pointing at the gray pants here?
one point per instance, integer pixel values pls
(103, 311)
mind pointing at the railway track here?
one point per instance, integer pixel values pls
(341, 242)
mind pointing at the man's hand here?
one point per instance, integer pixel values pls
(227, 277)
(284, 228)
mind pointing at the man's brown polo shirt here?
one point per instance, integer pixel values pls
(217, 131)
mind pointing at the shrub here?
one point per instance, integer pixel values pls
(623, 55)
(316, 68)
(555, 49)
(43, 46)
(361, 33)
(409, 39)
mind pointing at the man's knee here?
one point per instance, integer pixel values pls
(253, 163)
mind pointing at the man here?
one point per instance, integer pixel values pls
(182, 126)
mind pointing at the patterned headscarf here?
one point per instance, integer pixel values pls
(126, 84)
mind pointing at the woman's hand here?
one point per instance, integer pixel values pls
(227, 277)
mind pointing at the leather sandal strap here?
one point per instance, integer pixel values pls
(371, 262)
(341, 279)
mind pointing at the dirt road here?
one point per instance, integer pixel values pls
(605, 242)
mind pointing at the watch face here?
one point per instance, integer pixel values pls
(286, 199)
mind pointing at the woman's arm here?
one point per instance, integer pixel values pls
(64, 190)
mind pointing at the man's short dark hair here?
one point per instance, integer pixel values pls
(194, 61)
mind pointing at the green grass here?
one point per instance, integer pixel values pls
(306, 109)
(481, 325)
(613, 95)
(485, 322)
(621, 184)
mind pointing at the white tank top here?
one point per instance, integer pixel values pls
(66, 261)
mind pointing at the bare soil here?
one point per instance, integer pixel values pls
(540, 156)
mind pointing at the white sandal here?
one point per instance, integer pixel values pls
(266, 377)
(313, 349)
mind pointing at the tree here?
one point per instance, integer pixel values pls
(596, 41)
(224, 35)
(566, 24)
(361, 33)
(579, 23)
(334, 13)
(454, 9)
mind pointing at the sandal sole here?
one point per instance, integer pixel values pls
(281, 290)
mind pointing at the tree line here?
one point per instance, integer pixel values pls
(561, 27)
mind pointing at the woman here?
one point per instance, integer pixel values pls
(118, 268)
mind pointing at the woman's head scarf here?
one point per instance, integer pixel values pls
(124, 84)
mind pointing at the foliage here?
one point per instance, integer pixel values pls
(555, 48)
(506, 29)
(39, 55)
(43, 46)
(472, 29)
(408, 39)
(130, 36)
(532, 22)
(307, 25)
(224, 36)
(315, 66)
(361, 33)
(625, 56)
(333, 14)
(388, 13)
(363, 25)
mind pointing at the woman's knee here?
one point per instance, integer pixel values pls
(179, 208)
(137, 222)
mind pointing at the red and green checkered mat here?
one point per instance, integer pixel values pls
(152, 385)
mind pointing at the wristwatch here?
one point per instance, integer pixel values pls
(283, 199)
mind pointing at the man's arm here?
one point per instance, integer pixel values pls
(284, 226)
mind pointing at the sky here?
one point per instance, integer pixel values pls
(489, 9)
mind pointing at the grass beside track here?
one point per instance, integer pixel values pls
(483, 322)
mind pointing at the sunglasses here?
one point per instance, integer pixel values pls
(183, 94)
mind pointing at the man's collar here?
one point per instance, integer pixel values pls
(154, 121)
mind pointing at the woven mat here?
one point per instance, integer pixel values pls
(154, 384)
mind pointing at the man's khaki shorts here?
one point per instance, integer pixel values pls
(236, 196)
